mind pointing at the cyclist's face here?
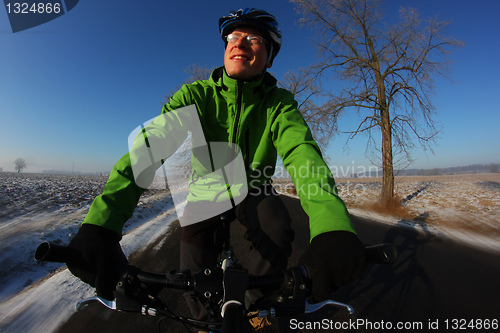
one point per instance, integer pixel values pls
(244, 60)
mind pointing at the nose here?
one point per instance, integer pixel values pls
(240, 43)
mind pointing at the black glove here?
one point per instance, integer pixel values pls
(102, 258)
(332, 260)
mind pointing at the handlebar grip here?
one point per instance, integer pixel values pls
(56, 253)
(381, 254)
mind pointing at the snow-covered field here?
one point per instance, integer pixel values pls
(459, 206)
(36, 208)
(466, 207)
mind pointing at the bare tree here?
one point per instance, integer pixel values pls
(386, 72)
(320, 118)
(183, 158)
(19, 164)
(195, 72)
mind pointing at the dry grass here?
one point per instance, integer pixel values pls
(468, 203)
(392, 207)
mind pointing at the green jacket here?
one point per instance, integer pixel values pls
(263, 120)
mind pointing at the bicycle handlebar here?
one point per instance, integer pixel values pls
(56, 253)
(131, 296)
(375, 254)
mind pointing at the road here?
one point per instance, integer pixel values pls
(435, 283)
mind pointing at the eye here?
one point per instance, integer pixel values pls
(233, 37)
(254, 39)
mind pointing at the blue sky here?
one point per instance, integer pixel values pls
(72, 90)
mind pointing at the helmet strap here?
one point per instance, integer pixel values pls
(270, 56)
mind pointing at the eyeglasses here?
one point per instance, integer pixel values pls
(252, 39)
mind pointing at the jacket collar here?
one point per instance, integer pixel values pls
(226, 83)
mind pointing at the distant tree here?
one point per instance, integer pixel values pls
(493, 168)
(19, 164)
(384, 70)
(434, 172)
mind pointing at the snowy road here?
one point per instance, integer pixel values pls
(444, 271)
(435, 279)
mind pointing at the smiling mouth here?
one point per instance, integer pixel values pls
(240, 58)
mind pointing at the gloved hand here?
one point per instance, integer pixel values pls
(102, 258)
(332, 260)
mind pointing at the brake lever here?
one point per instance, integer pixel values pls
(311, 307)
(107, 303)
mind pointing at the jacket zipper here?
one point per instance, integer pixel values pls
(239, 99)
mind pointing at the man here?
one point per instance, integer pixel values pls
(242, 105)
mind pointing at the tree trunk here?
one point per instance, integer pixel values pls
(387, 163)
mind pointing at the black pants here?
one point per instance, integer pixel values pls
(268, 228)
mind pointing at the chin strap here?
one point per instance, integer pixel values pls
(270, 57)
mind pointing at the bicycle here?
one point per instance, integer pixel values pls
(221, 289)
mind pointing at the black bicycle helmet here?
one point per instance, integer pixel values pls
(258, 19)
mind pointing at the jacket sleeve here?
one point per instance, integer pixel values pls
(118, 200)
(312, 178)
(121, 193)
